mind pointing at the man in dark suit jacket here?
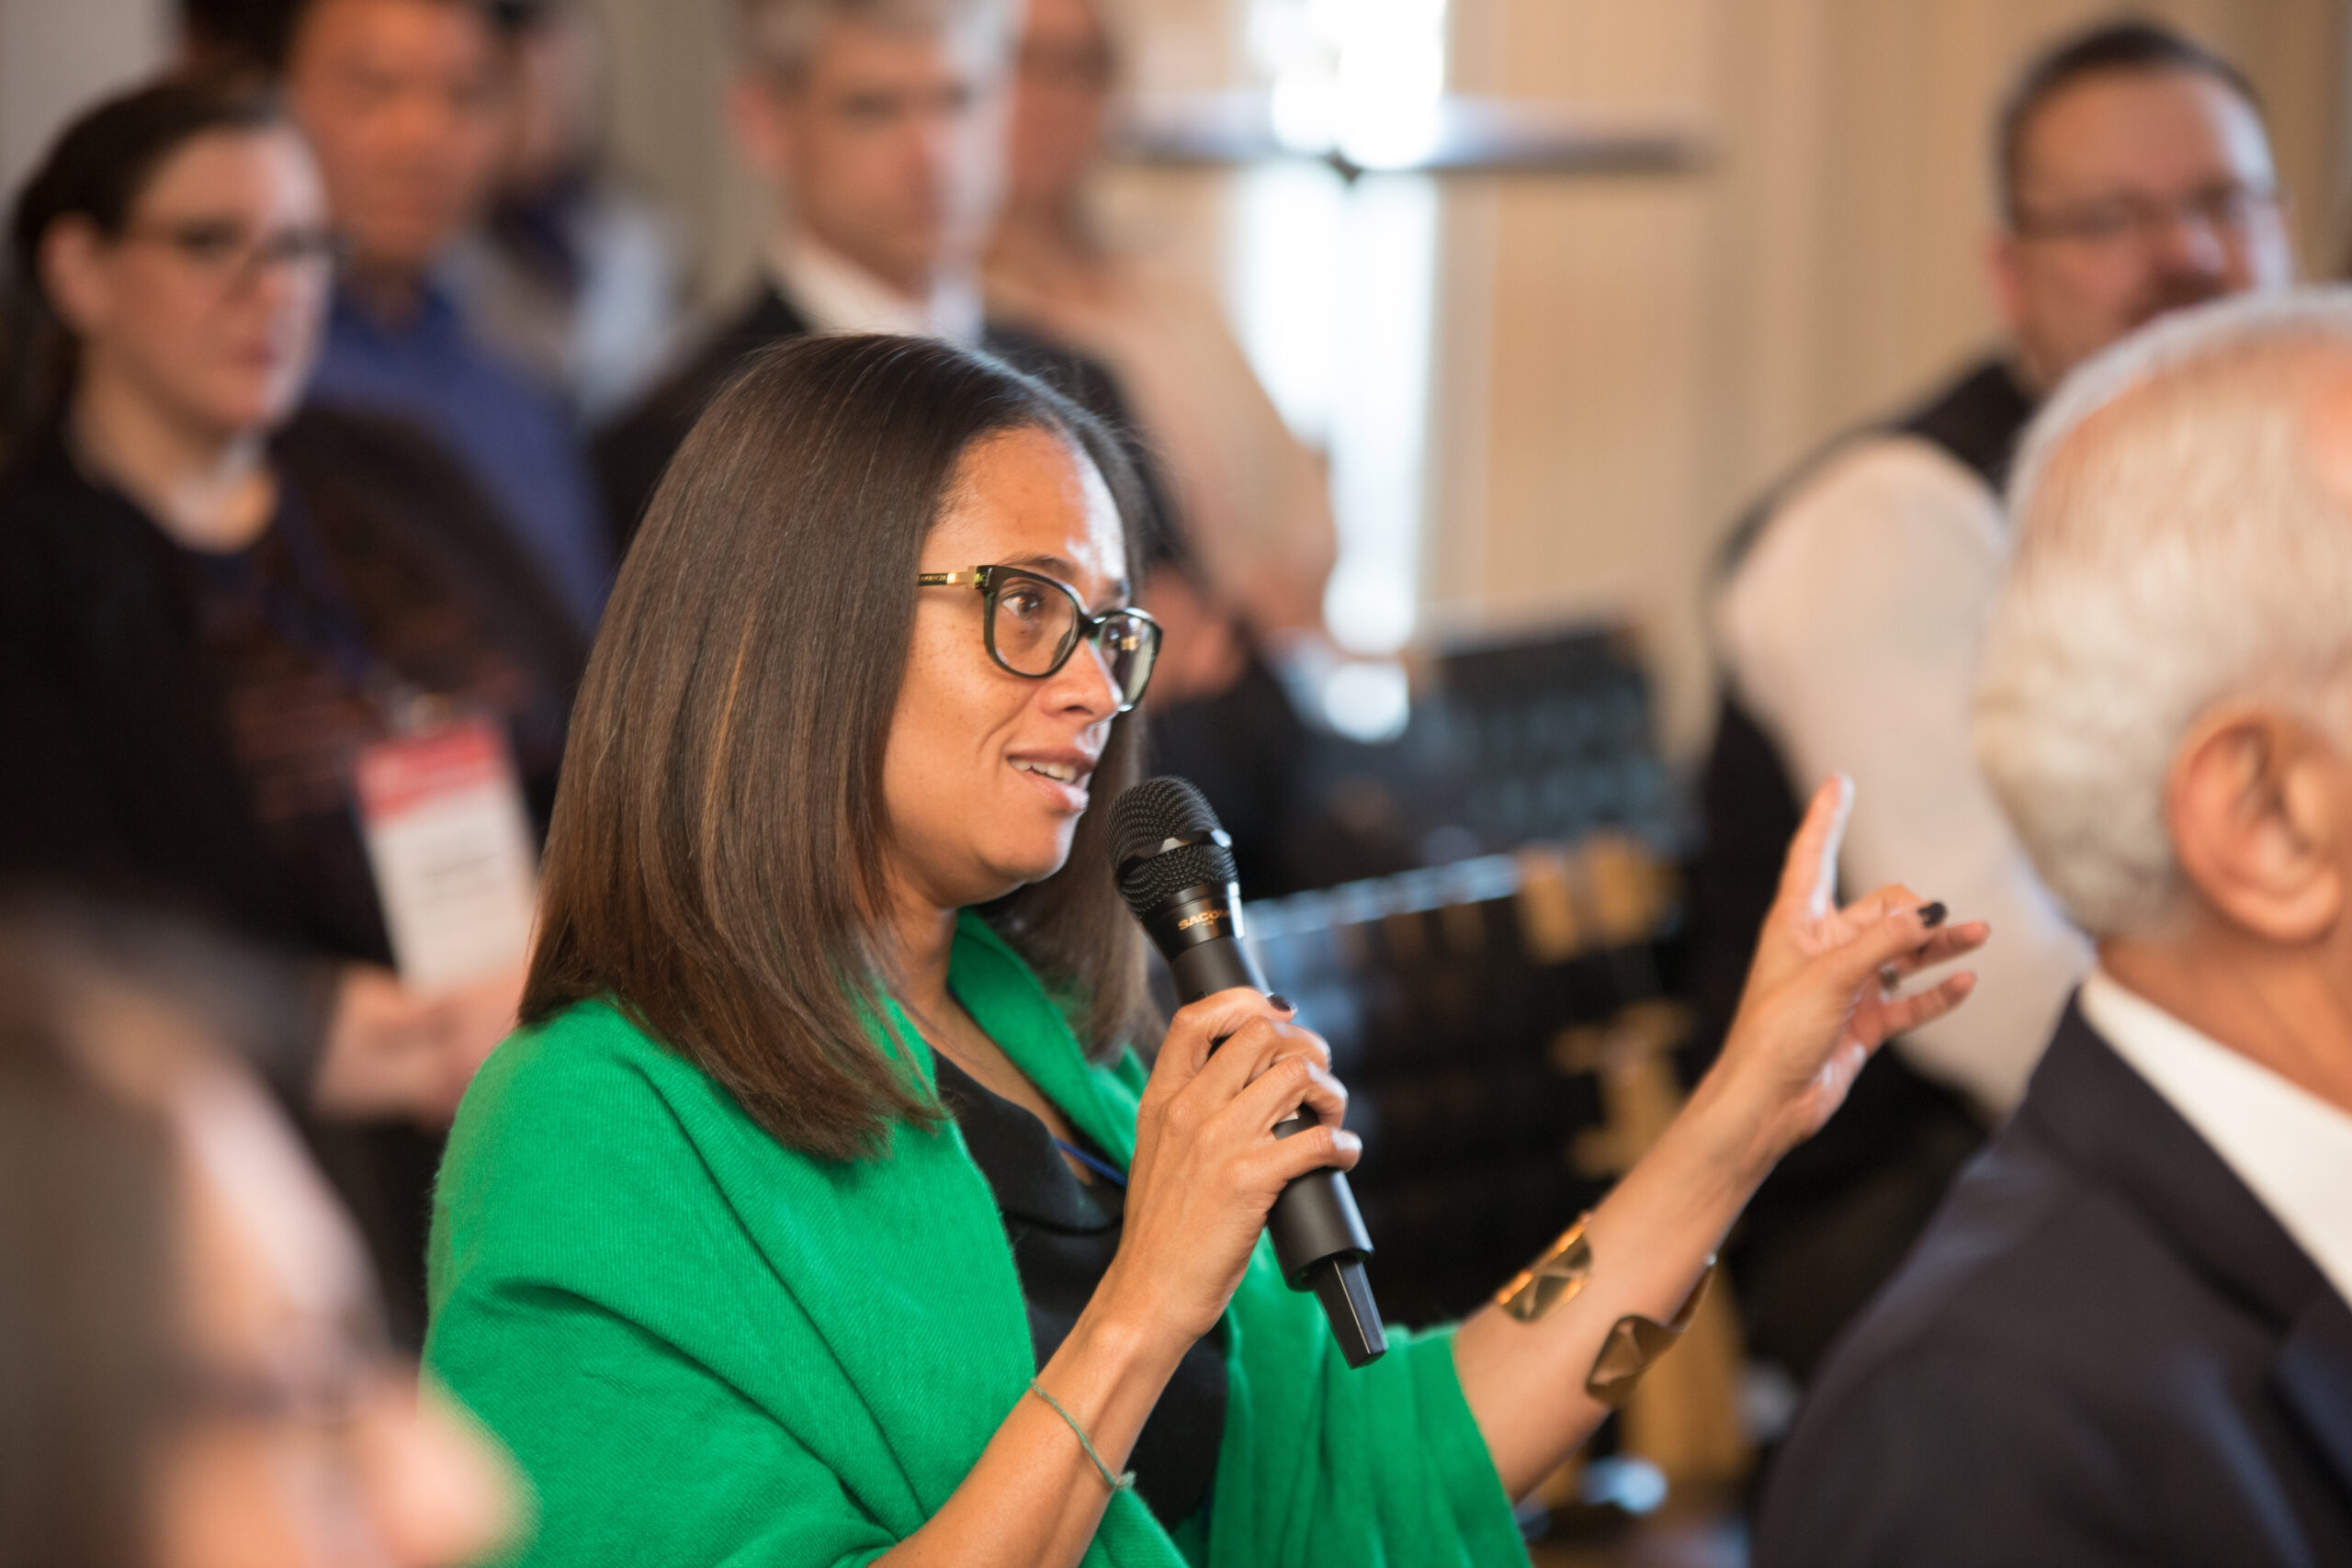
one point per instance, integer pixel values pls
(868, 117)
(2125, 1338)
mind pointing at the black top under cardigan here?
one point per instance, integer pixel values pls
(1064, 1233)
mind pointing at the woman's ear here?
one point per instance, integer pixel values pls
(74, 273)
(2259, 806)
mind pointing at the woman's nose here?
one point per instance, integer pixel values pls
(1085, 683)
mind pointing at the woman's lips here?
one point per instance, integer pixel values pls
(1063, 779)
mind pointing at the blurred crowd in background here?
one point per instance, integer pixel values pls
(340, 365)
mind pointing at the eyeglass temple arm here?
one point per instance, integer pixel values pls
(951, 579)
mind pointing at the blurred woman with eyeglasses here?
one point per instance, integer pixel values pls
(210, 603)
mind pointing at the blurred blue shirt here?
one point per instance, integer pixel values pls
(513, 437)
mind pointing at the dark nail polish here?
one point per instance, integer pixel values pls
(1281, 1001)
(1932, 915)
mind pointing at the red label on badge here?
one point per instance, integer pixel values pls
(449, 843)
(396, 779)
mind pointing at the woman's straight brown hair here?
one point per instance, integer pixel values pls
(718, 845)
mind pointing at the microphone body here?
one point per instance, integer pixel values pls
(1183, 891)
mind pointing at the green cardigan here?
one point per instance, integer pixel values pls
(707, 1348)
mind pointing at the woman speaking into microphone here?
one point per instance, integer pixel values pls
(823, 1211)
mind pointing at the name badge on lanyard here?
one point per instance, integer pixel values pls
(449, 842)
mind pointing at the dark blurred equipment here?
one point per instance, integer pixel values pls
(1175, 869)
(1548, 738)
(1464, 1005)
(1243, 748)
(1444, 971)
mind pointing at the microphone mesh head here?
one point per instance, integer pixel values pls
(1148, 816)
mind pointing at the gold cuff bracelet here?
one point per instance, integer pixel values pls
(1633, 1342)
(1552, 1280)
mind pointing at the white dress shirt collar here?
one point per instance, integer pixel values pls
(839, 296)
(2292, 1149)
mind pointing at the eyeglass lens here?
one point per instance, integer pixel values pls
(2230, 208)
(1037, 624)
(227, 249)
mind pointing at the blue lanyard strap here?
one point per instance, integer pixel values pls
(1102, 1167)
(315, 612)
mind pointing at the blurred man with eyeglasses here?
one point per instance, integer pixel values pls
(399, 100)
(2134, 177)
(878, 123)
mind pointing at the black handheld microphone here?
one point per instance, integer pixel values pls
(1175, 868)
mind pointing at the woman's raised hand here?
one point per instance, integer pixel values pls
(1821, 994)
(1207, 1165)
(1820, 998)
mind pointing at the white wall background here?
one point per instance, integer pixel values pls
(57, 55)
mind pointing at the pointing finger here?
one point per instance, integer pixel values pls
(1809, 875)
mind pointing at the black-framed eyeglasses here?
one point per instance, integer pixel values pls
(225, 251)
(2228, 209)
(1034, 623)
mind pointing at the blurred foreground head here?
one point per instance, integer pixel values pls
(877, 122)
(2164, 700)
(2135, 178)
(190, 1373)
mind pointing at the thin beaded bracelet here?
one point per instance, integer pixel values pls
(1115, 1483)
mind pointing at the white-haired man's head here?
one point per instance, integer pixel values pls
(877, 122)
(2179, 594)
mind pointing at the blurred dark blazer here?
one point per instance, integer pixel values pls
(631, 454)
(2103, 1350)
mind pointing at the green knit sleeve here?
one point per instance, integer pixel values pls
(593, 1305)
(1325, 1466)
(635, 1452)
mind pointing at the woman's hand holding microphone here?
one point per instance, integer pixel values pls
(1206, 1165)
(1206, 1169)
